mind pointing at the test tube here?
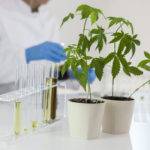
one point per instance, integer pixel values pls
(17, 108)
(17, 121)
(51, 95)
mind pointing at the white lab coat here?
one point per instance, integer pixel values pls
(21, 29)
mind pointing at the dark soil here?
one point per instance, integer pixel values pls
(88, 101)
(117, 98)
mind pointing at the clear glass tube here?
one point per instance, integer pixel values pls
(17, 121)
(50, 95)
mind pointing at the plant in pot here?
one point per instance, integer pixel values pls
(85, 114)
(123, 42)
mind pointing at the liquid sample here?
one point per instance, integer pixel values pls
(50, 100)
(17, 121)
(34, 124)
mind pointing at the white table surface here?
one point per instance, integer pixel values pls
(57, 138)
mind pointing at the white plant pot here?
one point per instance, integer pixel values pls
(117, 116)
(85, 120)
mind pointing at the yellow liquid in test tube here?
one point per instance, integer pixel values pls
(17, 121)
(34, 124)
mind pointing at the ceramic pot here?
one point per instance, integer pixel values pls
(85, 119)
(117, 116)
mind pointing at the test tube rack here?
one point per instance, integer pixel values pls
(32, 105)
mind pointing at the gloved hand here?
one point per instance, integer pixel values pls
(91, 75)
(46, 51)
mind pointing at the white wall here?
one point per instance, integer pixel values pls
(137, 11)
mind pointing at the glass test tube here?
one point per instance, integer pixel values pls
(17, 121)
(50, 95)
(17, 108)
(35, 97)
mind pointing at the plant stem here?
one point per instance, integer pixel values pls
(88, 84)
(113, 79)
(139, 88)
(113, 82)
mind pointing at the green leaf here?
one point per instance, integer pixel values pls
(109, 57)
(92, 40)
(65, 67)
(98, 64)
(127, 49)
(69, 16)
(94, 17)
(98, 35)
(83, 43)
(85, 10)
(89, 12)
(115, 67)
(147, 55)
(125, 65)
(135, 70)
(137, 42)
(117, 37)
(144, 64)
(127, 44)
(120, 21)
(133, 49)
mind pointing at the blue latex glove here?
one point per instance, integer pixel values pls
(46, 51)
(91, 75)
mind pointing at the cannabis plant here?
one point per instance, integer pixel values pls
(124, 44)
(95, 36)
(78, 53)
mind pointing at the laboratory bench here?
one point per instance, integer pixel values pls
(56, 137)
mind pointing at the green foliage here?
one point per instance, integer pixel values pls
(98, 36)
(77, 54)
(95, 36)
(115, 67)
(88, 12)
(69, 16)
(135, 70)
(145, 64)
(98, 64)
(121, 22)
(126, 43)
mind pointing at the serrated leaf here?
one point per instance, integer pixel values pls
(125, 65)
(92, 40)
(147, 55)
(98, 64)
(133, 49)
(109, 57)
(89, 12)
(69, 16)
(98, 36)
(135, 70)
(115, 67)
(94, 17)
(144, 64)
(85, 10)
(83, 43)
(117, 37)
(118, 20)
(127, 49)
